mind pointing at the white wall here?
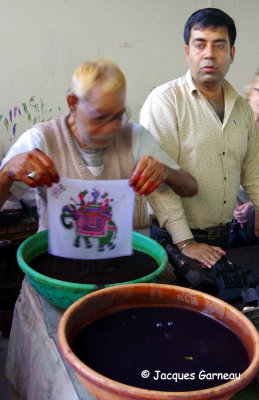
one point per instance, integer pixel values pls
(42, 42)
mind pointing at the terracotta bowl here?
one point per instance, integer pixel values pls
(105, 301)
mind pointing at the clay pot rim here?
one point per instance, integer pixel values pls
(119, 388)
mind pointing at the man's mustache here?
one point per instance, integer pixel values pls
(206, 63)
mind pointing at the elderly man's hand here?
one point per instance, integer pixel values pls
(33, 162)
(148, 175)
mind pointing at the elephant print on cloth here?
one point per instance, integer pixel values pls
(91, 219)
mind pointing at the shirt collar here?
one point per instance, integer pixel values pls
(229, 91)
(190, 82)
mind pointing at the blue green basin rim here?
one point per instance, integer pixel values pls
(37, 244)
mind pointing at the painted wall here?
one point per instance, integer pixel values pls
(42, 42)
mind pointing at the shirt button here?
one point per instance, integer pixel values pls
(223, 153)
(224, 201)
(225, 178)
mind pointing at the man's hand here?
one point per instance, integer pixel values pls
(18, 168)
(149, 174)
(242, 212)
(205, 254)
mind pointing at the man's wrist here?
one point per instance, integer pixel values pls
(5, 184)
(184, 243)
(169, 174)
(5, 176)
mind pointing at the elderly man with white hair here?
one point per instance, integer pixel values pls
(93, 141)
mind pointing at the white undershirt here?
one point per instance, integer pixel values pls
(142, 144)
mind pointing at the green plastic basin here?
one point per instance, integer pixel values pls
(63, 293)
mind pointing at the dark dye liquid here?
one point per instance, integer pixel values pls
(110, 270)
(174, 341)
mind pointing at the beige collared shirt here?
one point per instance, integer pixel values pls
(219, 155)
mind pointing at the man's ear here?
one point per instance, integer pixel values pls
(233, 51)
(186, 50)
(72, 101)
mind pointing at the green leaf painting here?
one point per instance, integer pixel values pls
(34, 111)
(6, 123)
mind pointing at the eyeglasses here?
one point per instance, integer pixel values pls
(122, 118)
(97, 119)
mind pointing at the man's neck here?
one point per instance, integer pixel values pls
(215, 96)
(212, 92)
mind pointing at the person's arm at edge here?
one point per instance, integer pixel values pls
(30, 140)
(5, 185)
(257, 223)
(250, 170)
(25, 141)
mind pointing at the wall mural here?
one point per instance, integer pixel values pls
(33, 111)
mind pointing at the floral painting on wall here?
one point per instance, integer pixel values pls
(33, 111)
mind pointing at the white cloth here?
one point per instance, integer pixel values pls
(90, 219)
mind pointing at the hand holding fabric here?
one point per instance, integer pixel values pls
(150, 173)
(32, 163)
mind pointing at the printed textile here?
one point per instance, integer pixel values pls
(90, 219)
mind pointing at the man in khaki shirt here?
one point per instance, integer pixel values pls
(201, 121)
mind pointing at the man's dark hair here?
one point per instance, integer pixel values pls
(210, 17)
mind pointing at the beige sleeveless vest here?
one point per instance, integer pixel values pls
(117, 160)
